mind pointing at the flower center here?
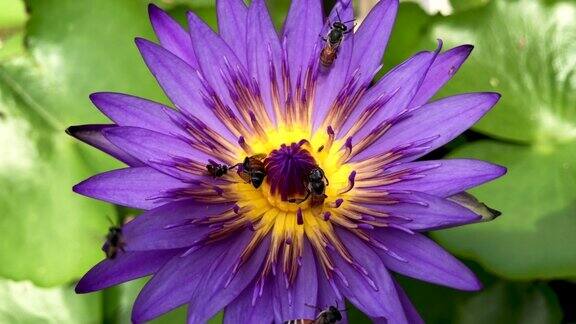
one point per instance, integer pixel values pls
(287, 169)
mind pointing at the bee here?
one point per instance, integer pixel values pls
(328, 316)
(333, 41)
(217, 170)
(253, 170)
(315, 183)
(114, 242)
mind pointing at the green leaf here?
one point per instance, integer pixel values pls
(12, 15)
(24, 303)
(79, 47)
(532, 238)
(525, 50)
(499, 303)
(462, 5)
(50, 235)
(412, 24)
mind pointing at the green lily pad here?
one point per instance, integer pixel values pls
(12, 15)
(462, 5)
(412, 24)
(23, 303)
(499, 302)
(50, 235)
(533, 237)
(525, 50)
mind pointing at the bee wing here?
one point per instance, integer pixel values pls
(245, 176)
(259, 156)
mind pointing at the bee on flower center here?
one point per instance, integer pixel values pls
(315, 183)
(253, 170)
(333, 41)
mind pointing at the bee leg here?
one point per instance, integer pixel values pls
(234, 166)
(327, 182)
(299, 201)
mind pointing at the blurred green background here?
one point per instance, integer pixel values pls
(54, 53)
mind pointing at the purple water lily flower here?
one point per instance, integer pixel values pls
(297, 243)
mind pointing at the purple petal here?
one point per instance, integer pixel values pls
(301, 32)
(126, 110)
(332, 80)
(170, 226)
(328, 297)
(293, 302)
(214, 291)
(400, 85)
(374, 294)
(174, 284)
(232, 25)
(433, 125)
(424, 260)
(371, 38)
(125, 267)
(135, 187)
(263, 46)
(172, 36)
(181, 84)
(241, 309)
(409, 309)
(93, 135)
(411, 313)
(444, 67)
(444, 178)
(214, 54)
(156, 150)
(426, 212)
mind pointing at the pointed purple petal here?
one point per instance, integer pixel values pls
(214, 292)
(232, 25)
(302, 33)
(213, 54)
(327, 296)
(181, 84)
(263, 42)
(409, 309)
(126, 110)
(444, 67)
(173, 285)
(400, 84)
(426, 212)
(374, 294)
(171, 35)
(425, 260)
(331, 80)
(135, 187)
(293, 303)
(445, 178)
(170, 226)
(157, 150)
(125, 267)
(371, 38)
(93, 135)
(242, 311)
(435, 123)
(411, 314)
